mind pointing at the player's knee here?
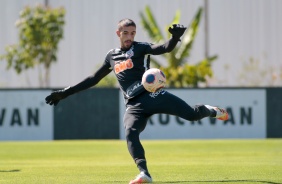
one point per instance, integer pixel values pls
(131, 133)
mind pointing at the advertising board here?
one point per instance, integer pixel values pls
(246, 108)
(24, 115)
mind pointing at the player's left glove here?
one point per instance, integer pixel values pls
(56, 96)
(177, 30)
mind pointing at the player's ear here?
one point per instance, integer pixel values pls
(118, 33)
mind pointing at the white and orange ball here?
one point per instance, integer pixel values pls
(153, 80)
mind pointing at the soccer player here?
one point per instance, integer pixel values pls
(129, 62)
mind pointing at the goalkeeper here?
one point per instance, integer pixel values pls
(128, 63)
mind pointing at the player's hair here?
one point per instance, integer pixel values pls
(125, 22)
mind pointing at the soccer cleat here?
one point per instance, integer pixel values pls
(141, 178)
(221, 114)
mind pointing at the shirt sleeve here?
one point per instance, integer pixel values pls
(92, 80)
(162, 48)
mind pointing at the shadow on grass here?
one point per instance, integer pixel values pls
(14, 170)
(213, 181)
(222, 181)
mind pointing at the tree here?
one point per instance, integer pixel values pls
(178, 72)
(40, 30)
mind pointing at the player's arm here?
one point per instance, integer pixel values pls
(56, 96)
(176, 31)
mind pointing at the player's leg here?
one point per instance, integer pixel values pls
(134, 124)
(165, 102)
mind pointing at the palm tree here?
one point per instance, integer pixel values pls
(178, 72)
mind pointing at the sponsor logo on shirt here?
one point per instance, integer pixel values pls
(134, 89)
(123, 65)
(153, 95)
(120, 66)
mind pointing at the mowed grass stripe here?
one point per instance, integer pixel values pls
(169, 161)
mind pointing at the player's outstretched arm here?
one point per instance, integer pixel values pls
(55, 97)
(177, 30)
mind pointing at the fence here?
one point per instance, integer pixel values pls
(97, 114)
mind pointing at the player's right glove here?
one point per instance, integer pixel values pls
(177, 30)
(56, 96)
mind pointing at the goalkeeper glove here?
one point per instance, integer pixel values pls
(56, 96)
(177, 31)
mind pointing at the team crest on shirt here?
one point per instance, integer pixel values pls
(129, 53)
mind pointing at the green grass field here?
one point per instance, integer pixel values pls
(185, 161)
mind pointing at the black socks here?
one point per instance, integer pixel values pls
(142, 166)
(213, 113)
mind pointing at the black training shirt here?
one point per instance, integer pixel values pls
(128, 66)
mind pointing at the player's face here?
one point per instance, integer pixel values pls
(126, 36)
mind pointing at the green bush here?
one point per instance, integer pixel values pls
(40, 30)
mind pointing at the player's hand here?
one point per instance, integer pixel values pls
(56, 96)
(177, 30)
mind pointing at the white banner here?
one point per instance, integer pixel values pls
(24, 115)
(247, 116)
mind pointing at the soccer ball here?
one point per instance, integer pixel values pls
(153, 80)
